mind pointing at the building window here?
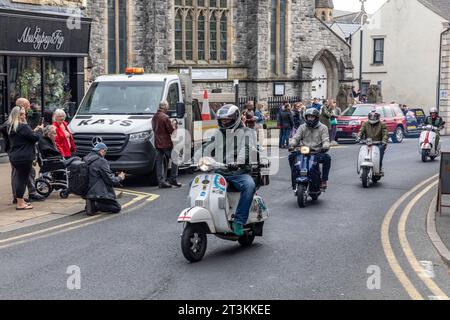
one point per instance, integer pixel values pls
(201, 30)
(117, 36)
(278, 37)
(378, 51)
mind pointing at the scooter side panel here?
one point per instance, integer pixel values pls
(218, 195)
(363, 154)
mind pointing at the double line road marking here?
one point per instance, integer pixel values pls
(426, 185)
(131, 205)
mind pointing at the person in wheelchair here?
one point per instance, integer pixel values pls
(52, 164)
(234, 143)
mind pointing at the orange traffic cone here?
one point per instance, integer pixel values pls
(206, 112)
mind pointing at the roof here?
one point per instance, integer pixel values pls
(348, 18)
(340, 13)
(440, 7)
(347, 29)
(324, 4)
(137, 78)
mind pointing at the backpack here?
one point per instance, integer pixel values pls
(78, 177)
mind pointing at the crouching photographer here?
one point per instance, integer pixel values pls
(101, 196)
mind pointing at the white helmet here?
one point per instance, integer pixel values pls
(374, 117)
(229, 112)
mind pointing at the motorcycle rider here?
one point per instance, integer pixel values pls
(377, 131)
(233, 143)
(315, 135)
(436, 121)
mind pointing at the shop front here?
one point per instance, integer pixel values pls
(42, 59)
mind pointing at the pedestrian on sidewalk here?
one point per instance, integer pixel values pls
(286, 124)
(22, 153)
(248, 115)
(101, 196)
(32, 192)
(163, 129)
(64, 138)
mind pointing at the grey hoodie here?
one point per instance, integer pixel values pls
(315, 138)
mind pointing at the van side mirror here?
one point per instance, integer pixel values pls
(181, 110)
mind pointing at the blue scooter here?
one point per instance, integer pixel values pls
(306, 176)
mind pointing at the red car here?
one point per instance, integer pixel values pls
(351, 120)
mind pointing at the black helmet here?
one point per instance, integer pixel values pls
(229, 112)
(315, 113)
(374, 117)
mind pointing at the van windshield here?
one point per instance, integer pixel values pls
(122, 98)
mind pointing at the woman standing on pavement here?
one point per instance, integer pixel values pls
(22, 152)
(64, 138)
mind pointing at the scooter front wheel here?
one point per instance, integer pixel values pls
(365, 178)
(302, 196)
(194, 242)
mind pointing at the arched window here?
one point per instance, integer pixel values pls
(324, 16)
(203, 33)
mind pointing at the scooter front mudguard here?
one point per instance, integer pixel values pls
(197, 215)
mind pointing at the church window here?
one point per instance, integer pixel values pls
(201, 31)
(117, 36)
(278, 37)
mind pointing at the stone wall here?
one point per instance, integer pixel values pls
(445, 81)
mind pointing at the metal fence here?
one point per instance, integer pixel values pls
(275, 104)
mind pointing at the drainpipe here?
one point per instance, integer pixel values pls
(438, 102)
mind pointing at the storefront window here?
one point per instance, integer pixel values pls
(2, 65)
(57, 88)
(25, 80)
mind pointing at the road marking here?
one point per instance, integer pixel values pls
(404, 243)
(387, 247)
(74, 224)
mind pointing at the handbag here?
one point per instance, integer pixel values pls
(334, 122)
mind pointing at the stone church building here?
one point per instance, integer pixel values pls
(273, 47)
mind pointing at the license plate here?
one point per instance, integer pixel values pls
(340, 129)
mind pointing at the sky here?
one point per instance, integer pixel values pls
(355, 5)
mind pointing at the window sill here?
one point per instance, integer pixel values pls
(377, 64)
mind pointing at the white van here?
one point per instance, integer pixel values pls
(118, 110)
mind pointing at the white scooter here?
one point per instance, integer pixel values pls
(427, 143)
(369, 166)
(212, 206)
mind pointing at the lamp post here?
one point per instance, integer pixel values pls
(363, 21)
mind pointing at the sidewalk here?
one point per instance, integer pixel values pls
(51, 209)
(438, 228)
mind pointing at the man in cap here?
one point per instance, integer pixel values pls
(101, 195)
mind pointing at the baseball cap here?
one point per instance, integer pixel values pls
(100, 146)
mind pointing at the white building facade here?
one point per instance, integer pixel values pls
(401, 44)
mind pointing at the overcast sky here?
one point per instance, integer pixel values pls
(355, 5)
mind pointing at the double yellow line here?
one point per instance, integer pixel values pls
(130, 206)
(427, 185)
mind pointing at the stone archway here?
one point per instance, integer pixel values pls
(325, 73)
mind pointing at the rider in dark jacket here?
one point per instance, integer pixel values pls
(436, 121)
(101, 195)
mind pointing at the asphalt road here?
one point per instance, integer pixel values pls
(321, 252)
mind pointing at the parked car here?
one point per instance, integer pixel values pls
(350, 122)
(414, 118)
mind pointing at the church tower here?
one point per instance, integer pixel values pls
(324, 10)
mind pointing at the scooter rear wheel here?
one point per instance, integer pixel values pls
(194, 242)
(246, 240)
(424, 155)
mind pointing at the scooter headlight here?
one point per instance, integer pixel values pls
(305, 150)
(206, 164)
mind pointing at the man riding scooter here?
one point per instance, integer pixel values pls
(314, 135)
(377, 131)
(234, 141)
(436, 121)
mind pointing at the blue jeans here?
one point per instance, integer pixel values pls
(284, 137)
(246, 186)
(315, 174)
